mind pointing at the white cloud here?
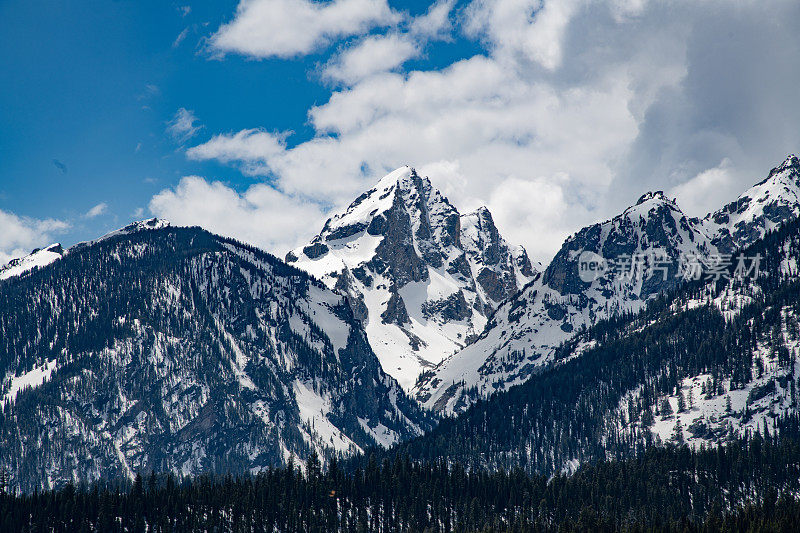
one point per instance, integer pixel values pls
(376, 54)
(249, 146)
(262, 215)
(708, 191)
(97, 210)
(485, 119)
(435, 24)
(534, 28)
(179, 39)
(288, 28)
(576, 109)
(22, 234)
(183, 125)
(534, 207)
(379, 53)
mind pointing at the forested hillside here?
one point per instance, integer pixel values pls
(746, 485)
(176, 350)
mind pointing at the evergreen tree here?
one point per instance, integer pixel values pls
(666, 409)
(647, 418)
(677, 433)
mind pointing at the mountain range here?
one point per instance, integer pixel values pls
(173, 349)
(703, 365)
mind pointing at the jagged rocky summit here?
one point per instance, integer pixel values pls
(422, 277)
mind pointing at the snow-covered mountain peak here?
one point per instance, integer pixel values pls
(139, 225)
(650, 204)
(649, 196)
(373, 202)
(759, 209)
(42, 257)
(654, 226)
(790, 164)
(134, 227)
(150, 223)
(421, 276)
(179, 350)
(483, 244)
(38, 258)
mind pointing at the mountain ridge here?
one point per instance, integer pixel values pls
(177, 350)
(525, 331)
(702, 364)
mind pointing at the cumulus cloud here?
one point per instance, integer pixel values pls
(534, 28)
(575, 110)
(288, 28)
(436, 23)
(22, 234)
(538, 206)
(254, 148)
(733, 102)
(373, 54)
(97, 210)
(381, 53)
(183, 125)
(261, 215)
(707, 191)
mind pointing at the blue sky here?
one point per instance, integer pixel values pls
(91, 87)
(254, 119)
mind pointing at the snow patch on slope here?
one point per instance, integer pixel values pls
(29, 380)
(36, 259)
(314, 409)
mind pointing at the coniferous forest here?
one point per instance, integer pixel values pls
(748, 485)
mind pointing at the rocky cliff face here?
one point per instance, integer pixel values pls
(421, 276)
(647, 249)
(761, 208)
(172, 349)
